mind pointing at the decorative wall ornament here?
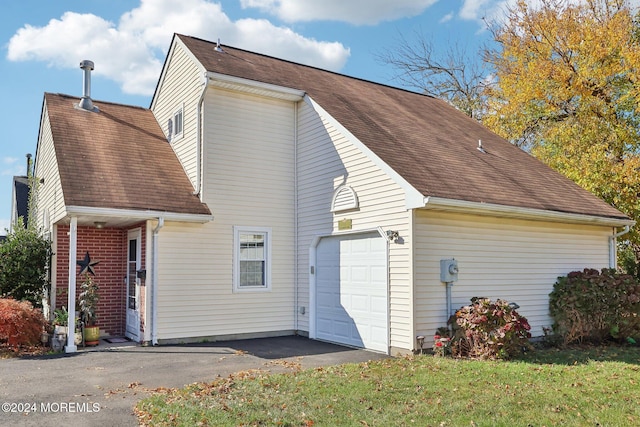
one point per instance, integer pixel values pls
(86, 265)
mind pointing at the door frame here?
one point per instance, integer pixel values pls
(313, 249)
(134, 234)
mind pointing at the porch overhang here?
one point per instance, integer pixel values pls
(124, 217)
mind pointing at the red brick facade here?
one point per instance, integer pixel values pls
(109, 247)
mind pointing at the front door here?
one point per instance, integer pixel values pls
(133, 286)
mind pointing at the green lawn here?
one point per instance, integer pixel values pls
(585, 387)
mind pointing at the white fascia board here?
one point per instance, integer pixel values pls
(168, 58)
(490, 209)
(254, 87)
(138, 214)
(412, 197)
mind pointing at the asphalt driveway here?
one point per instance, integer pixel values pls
(100, 388)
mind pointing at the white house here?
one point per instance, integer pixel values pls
(260, 197)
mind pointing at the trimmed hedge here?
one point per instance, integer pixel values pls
(595, 306)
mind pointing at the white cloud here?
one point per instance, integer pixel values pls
(132, 51)
(446, 18)
(474, 10)
(351, 11)
(12, 167)
(495, 10)
(4, 226)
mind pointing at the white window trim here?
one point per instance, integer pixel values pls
(172, 135)
(236, 258)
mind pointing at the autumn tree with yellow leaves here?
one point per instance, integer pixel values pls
(567, 88)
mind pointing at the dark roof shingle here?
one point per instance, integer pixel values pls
(429, 143)
(117, 158)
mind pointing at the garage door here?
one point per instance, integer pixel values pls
(351, 291)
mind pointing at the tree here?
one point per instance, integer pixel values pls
(449, 76)
(568, 90)
(24, 257)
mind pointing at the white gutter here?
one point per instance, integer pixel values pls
(138, 214)
(154, 282)
(613, 258)
(462, 206)
(199, 148)
(254, 87)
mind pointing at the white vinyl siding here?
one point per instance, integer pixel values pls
(327, 159)
(503, 258)
(50, 198)
(51, 207)
(248, 182)
(180, 90)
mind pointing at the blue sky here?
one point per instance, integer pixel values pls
(43, 43)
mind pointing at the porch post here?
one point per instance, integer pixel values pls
(73, 241)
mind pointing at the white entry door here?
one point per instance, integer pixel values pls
(351, 291)
(133, 285)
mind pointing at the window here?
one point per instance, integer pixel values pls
(252, 259)
(174, 125)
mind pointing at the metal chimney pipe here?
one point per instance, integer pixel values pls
(85, 102)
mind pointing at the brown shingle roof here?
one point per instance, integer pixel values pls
(117, 158)
(429, 143)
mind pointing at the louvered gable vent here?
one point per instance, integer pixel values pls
(344, 199)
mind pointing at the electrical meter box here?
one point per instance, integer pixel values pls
(448, 270)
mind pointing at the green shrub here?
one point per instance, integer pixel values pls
(24, 256)
(594, 306)
(20, 323)
(489, 330)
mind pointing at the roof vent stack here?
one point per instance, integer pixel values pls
(480, 148)
(85, 102)
(218, 47)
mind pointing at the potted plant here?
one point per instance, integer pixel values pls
(60, 328)
(60, 321)
(88, 302)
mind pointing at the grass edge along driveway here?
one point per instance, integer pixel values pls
(583, 387)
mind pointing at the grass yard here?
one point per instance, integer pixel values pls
(581, 387)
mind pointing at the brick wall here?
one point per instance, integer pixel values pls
(109, 246)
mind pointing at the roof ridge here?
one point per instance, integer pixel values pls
(64, 95)
(309, 66)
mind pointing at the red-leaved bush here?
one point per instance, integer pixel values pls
(489, 330)
(20, 323)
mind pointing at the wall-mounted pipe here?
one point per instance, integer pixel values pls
(199, 137)
(154, 282)
(613, 259)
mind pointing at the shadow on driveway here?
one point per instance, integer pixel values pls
(67, 389)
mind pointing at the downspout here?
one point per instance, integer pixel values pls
(295, 217)
(199, 136)
(154, 282)
(613, 260)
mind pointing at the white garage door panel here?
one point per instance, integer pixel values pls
(351, 291)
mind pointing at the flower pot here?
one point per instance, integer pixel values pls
(44, 338)
(91, 335)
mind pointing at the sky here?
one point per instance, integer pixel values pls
(43, 42)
